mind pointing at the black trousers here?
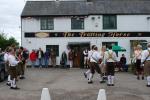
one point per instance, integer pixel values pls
(139, 69)
(110, 68)
(94, 66)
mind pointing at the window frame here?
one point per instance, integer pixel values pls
(29, 35)
(47, 23)
(105, 27)
(54, 47)
(73, 26)
(134, 43)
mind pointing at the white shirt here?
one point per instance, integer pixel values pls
(103, 56)
(39, 54)
(6, 57)
(90, 54)
(145, 53)
(138, 54)
(95, 56)
(12, 60)
(85, 52)
(114, 57)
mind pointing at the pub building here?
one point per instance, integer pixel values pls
(78, 24)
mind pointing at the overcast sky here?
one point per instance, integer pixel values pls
(10, 11)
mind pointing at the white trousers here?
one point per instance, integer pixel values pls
(110, 79)
(71, 63)
(8, 79)
(13, 83)
(88, 73)
(85, 60)
(148, 80)
(90, 77)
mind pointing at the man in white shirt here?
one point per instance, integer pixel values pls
(85, 53)
(110, 58)
(40, 55)
(87, 73)
(103, 65)
(13, 71)
(138, 55)
(145, 59)
(94, 64)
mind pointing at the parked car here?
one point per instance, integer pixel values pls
(3, 72)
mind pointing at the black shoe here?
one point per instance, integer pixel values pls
(8, 84)
(102, 81)
(112, 85)
(22, 77)
(14, 88)
(90, 82)
(138, 78)
(104, 78)
(85, 75)
(142, 77)
(108, 84)
(148, 85)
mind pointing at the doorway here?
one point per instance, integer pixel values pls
(78, 48)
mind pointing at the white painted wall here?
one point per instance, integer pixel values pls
(125, 23)
(132, 23)
(63, 42)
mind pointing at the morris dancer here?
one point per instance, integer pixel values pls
(87, 73)
(146, 61)
(94, 64)
(13, 71)
(139, 68)
(103, 65)
(110, 59)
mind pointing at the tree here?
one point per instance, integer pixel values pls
(11, 41)
(5, 42)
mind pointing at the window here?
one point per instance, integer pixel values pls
(47, 23)
(107, 44)
(54, 47)
(134, 43)
(77, 23)
(29, 35)
(109, 22)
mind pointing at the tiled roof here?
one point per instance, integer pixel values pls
(67, 8)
